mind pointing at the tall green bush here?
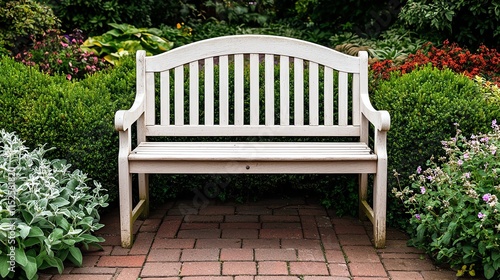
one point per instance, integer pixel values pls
(22, 21)
(93, 16)
(424, 105)
(468, 22)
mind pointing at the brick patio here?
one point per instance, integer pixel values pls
(272, 239)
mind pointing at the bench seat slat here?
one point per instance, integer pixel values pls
(252, 151)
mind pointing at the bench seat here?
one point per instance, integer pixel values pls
(252, 157)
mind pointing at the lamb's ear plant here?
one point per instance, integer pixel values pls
(47, 213)
(454, 205)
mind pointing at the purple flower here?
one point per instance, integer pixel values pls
(467, 175)
(466, 156)
(422, 190)
(494, 123)
(417, 216)
(419, 169)
(430, 178)
(487, 197)
(460, 162)
(481, 215)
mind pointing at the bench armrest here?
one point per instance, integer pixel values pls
(379, 118)
(125, 118)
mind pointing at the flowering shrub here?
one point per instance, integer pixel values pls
(46, 212)
(454, 206)
(56, 53)
(486, 62)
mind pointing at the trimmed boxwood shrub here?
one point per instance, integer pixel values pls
(424, 105)
(75, 117)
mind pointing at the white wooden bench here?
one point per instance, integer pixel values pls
(349, 115)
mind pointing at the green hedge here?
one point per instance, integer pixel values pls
(75, 117)
(424, 105)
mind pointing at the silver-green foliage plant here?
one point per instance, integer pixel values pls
(47, 213)
(455, 213)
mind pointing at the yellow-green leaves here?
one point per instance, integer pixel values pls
(125, 39)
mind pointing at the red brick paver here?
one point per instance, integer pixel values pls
(288, 239)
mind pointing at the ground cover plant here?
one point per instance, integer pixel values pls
(454, 206)
(46, 211)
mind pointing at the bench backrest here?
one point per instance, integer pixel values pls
(182, 97)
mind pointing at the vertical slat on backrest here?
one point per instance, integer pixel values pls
(328, 96)
(343, 87)
(194, 102)
(269, 89)
(313, 94)
(239, 89)
(298, 91)
(254, 89)
(223, 90)
(165, 98)
(179, 95)
(356, 112)
(150, 93)
(284, 90)
(209, 91)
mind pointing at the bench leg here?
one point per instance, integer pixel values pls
(144, 193)
(379, 209)
(126, 224)
(363, 194)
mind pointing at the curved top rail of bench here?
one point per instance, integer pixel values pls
(260, 44)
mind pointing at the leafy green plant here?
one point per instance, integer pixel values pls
(423, 105)
(23, 20)
(454, 205)
(467, 22)
(395, 43)
(125, 39)
(46, 212)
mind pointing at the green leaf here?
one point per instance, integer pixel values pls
(35, 232)
(59, 202)
(489, 271)
(446, 238)
(90, 238)
(495, 256)
(31, 241)
(481, 247)
(21, 257)
(75, 256)
(4, 266)
(24, 230)
(63, 223)
(55, 262)
(56, 234)
(31, 268)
